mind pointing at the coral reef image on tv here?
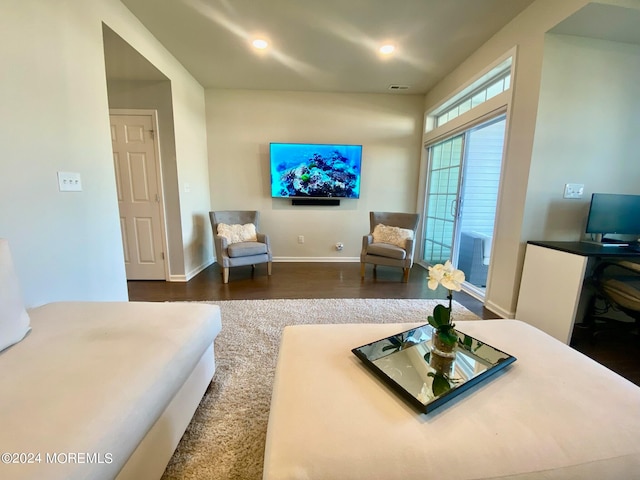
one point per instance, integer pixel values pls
(315, 170)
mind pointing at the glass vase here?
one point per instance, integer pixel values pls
(441, 364)
(443, 349)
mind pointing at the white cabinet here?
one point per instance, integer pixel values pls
(550, 290)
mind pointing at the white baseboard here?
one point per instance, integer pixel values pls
(191, 274)
(499, 311)
(196, 271)
(317, 259)
(200, 268)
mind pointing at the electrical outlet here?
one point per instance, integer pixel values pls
(573, 190)
(300, 238)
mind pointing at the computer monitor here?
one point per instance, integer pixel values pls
(611, 213)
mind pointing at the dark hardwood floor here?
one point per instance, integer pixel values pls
(342, 280)
(299, 280)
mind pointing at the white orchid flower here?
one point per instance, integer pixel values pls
(453, 281)
(445, 275)
(435, 276)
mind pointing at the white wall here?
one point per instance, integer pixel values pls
(242, 123)
(54, 117)
(193, 175)
(586, 132)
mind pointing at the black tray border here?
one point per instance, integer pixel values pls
(428, 408)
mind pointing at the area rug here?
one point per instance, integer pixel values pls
(226, 437)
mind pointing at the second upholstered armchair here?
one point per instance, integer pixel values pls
(390, 242)
(237, 240)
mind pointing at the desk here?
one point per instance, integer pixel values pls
(552, 296)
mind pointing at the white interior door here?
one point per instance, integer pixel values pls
(137, 170)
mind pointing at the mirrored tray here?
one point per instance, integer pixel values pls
(405, 362)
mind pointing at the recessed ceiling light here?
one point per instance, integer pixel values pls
(260, 43)
(387, 49)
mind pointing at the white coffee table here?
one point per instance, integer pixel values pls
(554, 413)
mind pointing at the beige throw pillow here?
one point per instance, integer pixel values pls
(238, 233)
(394, 235)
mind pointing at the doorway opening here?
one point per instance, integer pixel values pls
(463, 181)
(135, 86)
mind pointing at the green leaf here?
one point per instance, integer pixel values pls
(441, 315)
(440, 384)
(448, 336)
(468, 341)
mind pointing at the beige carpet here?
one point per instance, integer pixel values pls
(226, 437)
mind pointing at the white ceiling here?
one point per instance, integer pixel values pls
(605, 22)
(316, 45)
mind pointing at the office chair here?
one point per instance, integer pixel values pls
(617, 289)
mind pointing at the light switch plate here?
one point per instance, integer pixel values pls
(573, 190)
(69, 182)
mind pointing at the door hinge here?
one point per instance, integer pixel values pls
(152, 133)
(157, 198)
(162, 255)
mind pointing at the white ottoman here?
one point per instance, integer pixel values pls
(553, 414)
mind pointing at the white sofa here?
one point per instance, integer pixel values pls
(98, 390)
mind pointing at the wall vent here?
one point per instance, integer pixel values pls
(398, 87)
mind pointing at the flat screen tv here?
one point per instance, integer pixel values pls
(311, 170)
(614, 213)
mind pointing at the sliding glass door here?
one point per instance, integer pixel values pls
(445, 161)
(461, 199)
